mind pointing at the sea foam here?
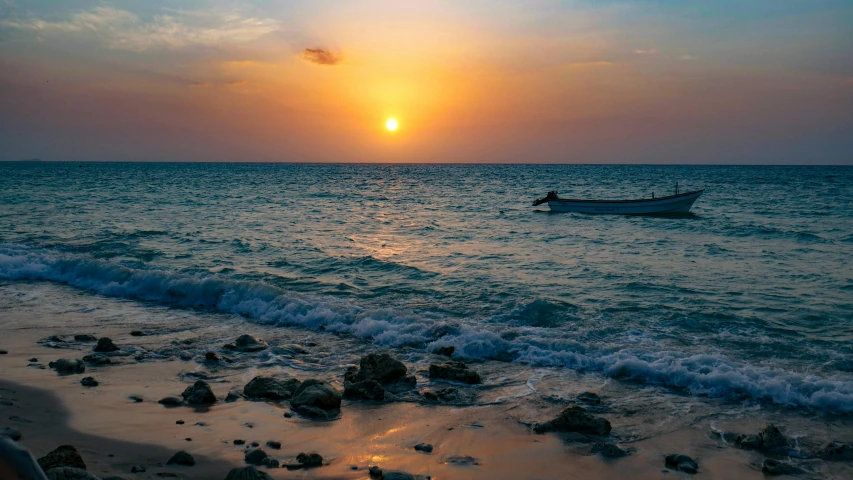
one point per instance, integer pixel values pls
(714, 375)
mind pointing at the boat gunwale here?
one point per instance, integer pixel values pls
(638, 200)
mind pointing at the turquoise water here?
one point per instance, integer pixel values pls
(752, 296)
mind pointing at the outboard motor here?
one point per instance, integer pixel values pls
(552, 195)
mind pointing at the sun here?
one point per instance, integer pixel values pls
(391, 124)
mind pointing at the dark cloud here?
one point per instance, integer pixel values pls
(321, 56)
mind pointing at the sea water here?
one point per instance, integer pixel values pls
(750, 297)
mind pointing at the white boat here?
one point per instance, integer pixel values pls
(672, 204)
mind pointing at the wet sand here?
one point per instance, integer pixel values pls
(484, 441)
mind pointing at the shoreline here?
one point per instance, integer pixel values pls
(478, 441)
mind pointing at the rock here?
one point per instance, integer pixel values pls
(179, 422)
(105, 345)
(771, 437)
(379, 367)
(67, 367)
(211, 357)
(247, 473)
(3, 352)
(575, 419)
(310, 459)
(137, 469)
(239, 442)
(199, 393)
(255, 457)
(63, 456)
(748, 441)
(185, 356)
(608, 450)
(135, 398)
(443, 395)
(89, 382)
(423, 447)
(136, 333)
(453, 370)
(33, 360)
(367, 389)
(274, 445)
(287, 415)
(97, 359)
(166, 474)
(681, 462)
(775, 467)
(255, 444)
(589, 398)
(248, 343)
(313, 412)
(10, 432)
(316, 393)
(181, 458)
(232, 397)
(446, 351)
(69, 473)
(462, 460)
(171, 402)
(374, 471)
(270, 462)
(835, 451)
(84, 338)
(397, 475)
(270, 388)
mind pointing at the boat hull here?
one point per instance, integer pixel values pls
(666, 205)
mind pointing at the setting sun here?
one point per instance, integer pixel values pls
(391, 124)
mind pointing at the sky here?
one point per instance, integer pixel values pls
(474, 81)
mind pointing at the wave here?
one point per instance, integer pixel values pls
(531, 343)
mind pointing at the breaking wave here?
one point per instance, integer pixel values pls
(714, 375)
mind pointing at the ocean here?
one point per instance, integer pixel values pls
(749, 299)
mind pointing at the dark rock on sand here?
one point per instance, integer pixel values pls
(63, 456)
(85, 338)
(232, 397)
(136, 333)
(270, 462)
(748, 441)
(171, 402)
(775, 467)
(185, 356)
(771, 437)
(247, 343)
(33, 360)
(135, 398)
(367, 389)
(681, 462)
(274, 445)
(836, 451)
(179, 422)
(575, 419)
(181, 458)
(211, 357)
(239, 442)
(137, 469)
(446, 351)
(3, 352)
(199, 393)
(310, 459)
(462, 460)
(247, 473)
(379, 367)
(449, 395)
(67, 367)
(89, 382)
(69, 473)
(589, 398)
(374, 471)
(255, 457)
(97, 359)
(10, 432)
(270, 388)
(255, 444)
(423, 447)
(316, 393)
(106, 345)
(453, 370)
(608, 450)
(315, 412)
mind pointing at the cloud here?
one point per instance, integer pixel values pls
(647, 51)
(321, 56)
(124, 30)
(686, 58)
(235, 83)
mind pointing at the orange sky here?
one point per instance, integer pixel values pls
(542, 81)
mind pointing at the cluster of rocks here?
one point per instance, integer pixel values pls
(768, 438)
(575, 419)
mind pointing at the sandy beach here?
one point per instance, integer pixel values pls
(114, 431)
